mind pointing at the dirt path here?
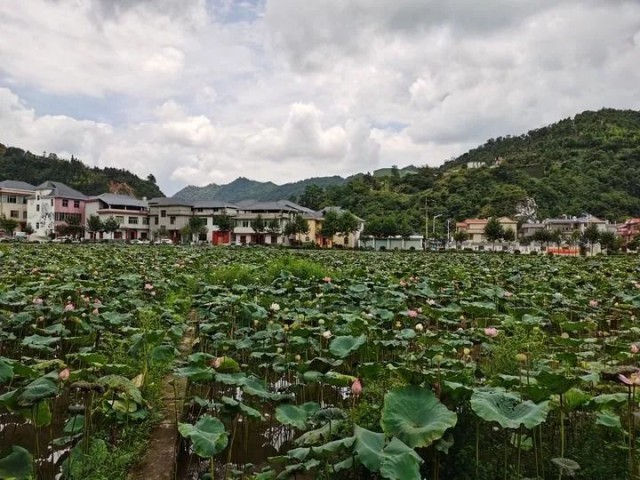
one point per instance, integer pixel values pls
(159, 461)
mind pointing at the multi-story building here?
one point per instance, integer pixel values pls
(567, 225)
(131, 214)
(209, 210)
(53, 204)
(474, 228)
(168, 216)
(13, 201)
(629, 229)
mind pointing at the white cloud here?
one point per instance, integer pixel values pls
(200, 91)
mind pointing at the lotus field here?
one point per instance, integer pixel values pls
(318, 364)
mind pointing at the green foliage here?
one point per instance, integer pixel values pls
(17, 164)
(9, 225)
(94, 224)
(493, 230)
(224, 222)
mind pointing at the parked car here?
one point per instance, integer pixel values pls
(165, 241)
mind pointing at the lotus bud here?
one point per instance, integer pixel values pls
(297, 358)
(564, 335)
(64, 374)
(326, 334)
(438, 359)
(635, 348)
(274, 307)
(491, 332)
(321, 322)
(419, 327)
(521, 357)
(279, 350)
(356, 387)
(466, 351)
(256, 323)
(398, 325)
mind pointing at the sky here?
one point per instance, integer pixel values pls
(204, 91)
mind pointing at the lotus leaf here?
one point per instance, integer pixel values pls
(508, 409)
(415, 415)
(207, 435)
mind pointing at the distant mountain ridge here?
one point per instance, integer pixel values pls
(245, 189)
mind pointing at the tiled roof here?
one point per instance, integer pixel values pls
(59, 189)
(212, 204)
(16, 185)
(124, 200)
(169, 202)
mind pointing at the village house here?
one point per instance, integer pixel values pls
(131, 214)
(168, 216)
(474, 228)
(53, 204)
(629, 229)
(14, 200)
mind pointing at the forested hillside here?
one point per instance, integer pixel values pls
(17, 164)
(586, 164)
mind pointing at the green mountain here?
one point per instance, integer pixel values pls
(17, 164)
(244, 189)
(586, 164)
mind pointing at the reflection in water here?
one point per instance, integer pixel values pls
(255, 441)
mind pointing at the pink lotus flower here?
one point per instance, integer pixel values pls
(69, 307)
(96, 311)
(593, 303)
(403, 283)
(356, 387)
(97, 301)
(633, 379)
(64, 374)
(635, 348)
(412, 313)
(508, 294)
(38, 301)
(148, 286)
(327, 279)
(491, 332)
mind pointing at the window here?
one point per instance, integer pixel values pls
(172, 220)
(65, 202)
(37, 207)
(38, 197)
(133, 220)
(24, 200)
(15, 214)
(163, 213)
(65, 217)
(37, 226)
(24, 215)
(120, 220)
(76, 204)
(156, 220)
(12, 199)
(145, 220)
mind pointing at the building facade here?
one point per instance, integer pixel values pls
(53, 204)
(14, 198)
(131, 214)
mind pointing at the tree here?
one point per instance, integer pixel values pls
(348, 224)
(9, 225)
(28, 229)
(196, 226)
(509, 235)
(313, 197)
(330, 224)
(94, 224)
(259, 226)
(74, 227)
(110, 225)
(542, 236)
(555, 236)
(493, 231)
(608, 241)
(224, 222)
(591, 235)
(296, 226)
(273, 227)
(151, 178)
(459, 237)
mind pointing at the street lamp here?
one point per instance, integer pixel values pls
(435, 217)
(449, 220)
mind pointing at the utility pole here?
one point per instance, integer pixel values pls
(426, 225)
